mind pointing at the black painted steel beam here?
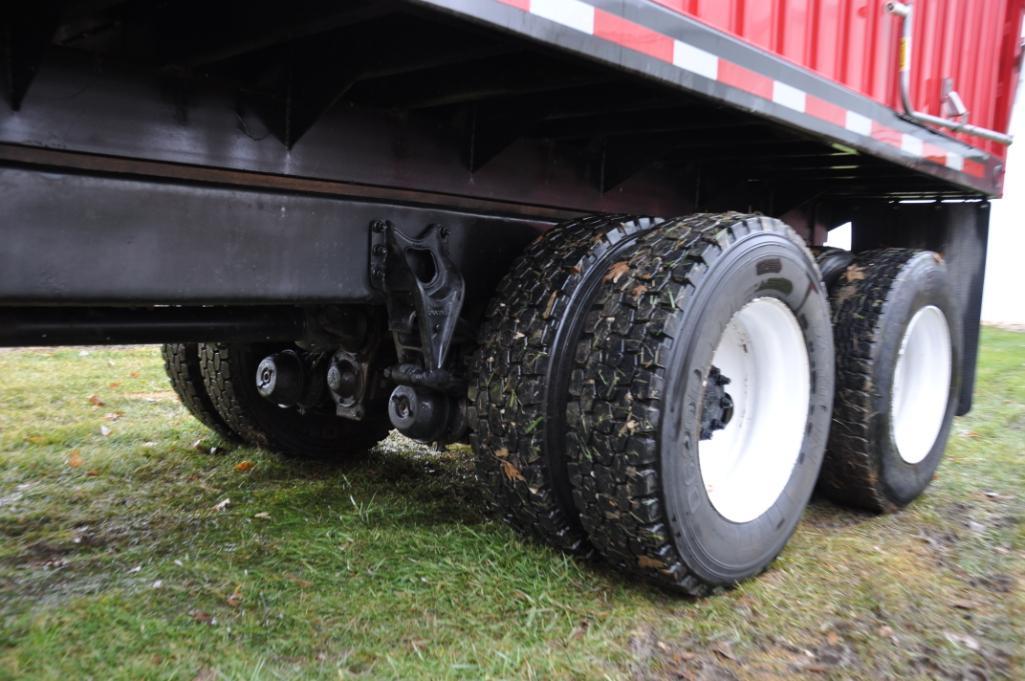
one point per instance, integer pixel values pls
(117, 325)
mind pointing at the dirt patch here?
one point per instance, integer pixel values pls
(654, 658)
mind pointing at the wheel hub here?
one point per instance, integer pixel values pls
(281, 378)
(717, 410)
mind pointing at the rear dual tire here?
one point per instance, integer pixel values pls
(522, 371)
(592, 387)
(659, 498)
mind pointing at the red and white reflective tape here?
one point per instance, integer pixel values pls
(586, 18)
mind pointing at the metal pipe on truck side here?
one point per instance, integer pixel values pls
(905, 12)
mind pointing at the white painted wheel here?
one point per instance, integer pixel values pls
(746, 465)
(921, 384)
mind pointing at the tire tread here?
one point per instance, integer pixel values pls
(509, 396)
(182, 364)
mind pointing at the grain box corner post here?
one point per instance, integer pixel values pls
(584, 236)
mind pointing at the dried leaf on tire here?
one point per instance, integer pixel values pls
(551, 305)
(855, 273)
(511, 471)
(844, 293)
(648, 562)
(616, 271)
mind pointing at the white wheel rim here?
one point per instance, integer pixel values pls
(921, 384)
(747, 465)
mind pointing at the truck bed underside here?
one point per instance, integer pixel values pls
(188, 154)
(398, 95)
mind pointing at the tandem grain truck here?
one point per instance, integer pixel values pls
(585, 236)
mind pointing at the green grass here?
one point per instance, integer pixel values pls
(115, 563)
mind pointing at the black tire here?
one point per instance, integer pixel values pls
(635, 412)
(229, 374)
(873, 301)
(181, 362)
(832, 262)
(522, 369)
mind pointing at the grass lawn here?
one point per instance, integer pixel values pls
(129, 550)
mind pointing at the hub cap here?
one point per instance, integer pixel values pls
(921, 384)
(747, 463)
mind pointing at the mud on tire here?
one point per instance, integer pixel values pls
(638, 396)
(522, 368)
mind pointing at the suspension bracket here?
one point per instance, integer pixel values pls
(424, 292)
(422, 287)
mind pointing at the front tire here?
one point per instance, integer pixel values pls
(898, 341)
(675, 482)
(181, 362)
(229, 374)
